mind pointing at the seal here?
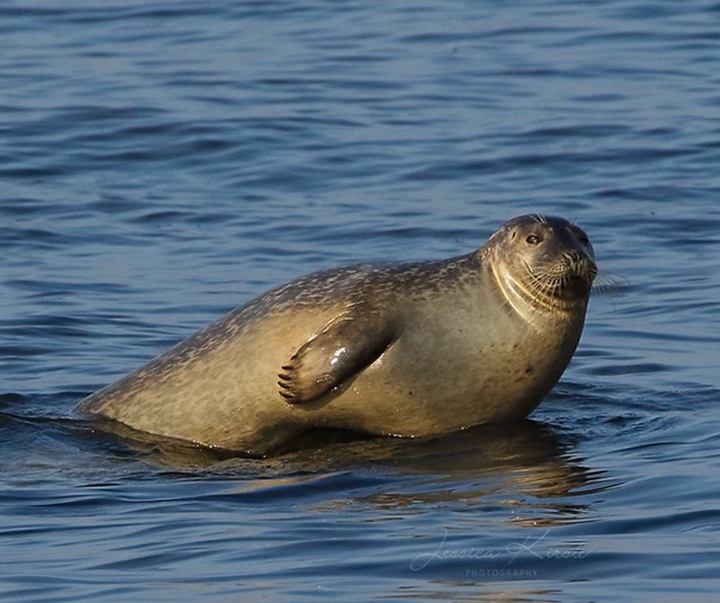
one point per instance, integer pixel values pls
(409, 349)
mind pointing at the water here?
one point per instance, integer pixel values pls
(163, 162)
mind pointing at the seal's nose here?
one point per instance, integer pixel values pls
(582, 270)
(582, 264)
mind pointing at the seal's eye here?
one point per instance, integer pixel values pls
(533, 239)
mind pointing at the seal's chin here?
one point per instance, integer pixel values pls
(575, 286)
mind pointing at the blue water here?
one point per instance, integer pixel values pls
(163, 162)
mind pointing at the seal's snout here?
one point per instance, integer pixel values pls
(576, 258)
(581, 263)
(581, 271)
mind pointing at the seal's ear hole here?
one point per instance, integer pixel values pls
(533, 239)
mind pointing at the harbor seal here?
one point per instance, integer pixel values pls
(410, 349)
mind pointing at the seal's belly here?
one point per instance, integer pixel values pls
(462, 377)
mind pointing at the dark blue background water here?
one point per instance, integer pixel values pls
(162, 162)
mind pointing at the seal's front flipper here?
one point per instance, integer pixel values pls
(346, 346)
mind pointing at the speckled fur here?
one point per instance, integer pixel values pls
(457, 353)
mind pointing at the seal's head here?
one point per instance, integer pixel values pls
(542, 262)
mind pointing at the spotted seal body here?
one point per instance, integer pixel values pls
(415, 349)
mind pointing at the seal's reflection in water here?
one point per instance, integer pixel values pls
(526, 466)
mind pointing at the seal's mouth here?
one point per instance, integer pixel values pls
(566, 279)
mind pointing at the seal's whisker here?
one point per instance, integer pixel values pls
(610, 284)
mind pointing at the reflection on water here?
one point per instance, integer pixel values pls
(524, 466)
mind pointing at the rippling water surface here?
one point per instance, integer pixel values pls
(163, 162)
